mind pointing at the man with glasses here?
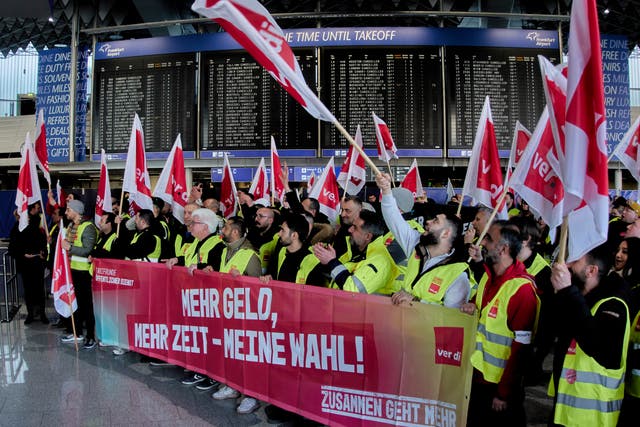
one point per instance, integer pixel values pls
(263, 234)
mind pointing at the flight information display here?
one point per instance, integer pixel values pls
(160, 88)
(401, 86)
(511, 79)
(243, 106)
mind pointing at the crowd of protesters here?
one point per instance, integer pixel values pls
(585, 313)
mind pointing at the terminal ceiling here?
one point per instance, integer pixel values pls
(49, 22)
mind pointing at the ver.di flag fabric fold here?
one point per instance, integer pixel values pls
(277, 185)
(260, 184)
(483, 181)
(627, 150)
(172, 183)
(585, 173)
(251, 25)
(325, 190)
(386, 147)
(28, 191)
(228, 192)
(353, 174)
(103, 197)
(412, 181)
(136, 176)
(40, 142)
(64, 297)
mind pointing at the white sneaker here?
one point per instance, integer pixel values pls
(225, 392)
(247, 405)
(119, 351)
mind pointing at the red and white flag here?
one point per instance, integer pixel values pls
(534, 178)
(412, 181)
(62, 197)
(326, 192)
(172, 182)
(40, 142)
(584, 167)
(521, 137)
(103, 198)
(386, 147)
(555, 90)
(28, 191)
(311, 181)
(627, 150)
(483, 181)
(251, 25)
(228, 192)
(64, 297)
(277, 186)
(136, 176)
(353, 174)
(260, 184)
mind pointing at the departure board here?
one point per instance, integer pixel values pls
(160, 88)
(511, 78)
(402, 86)
(243, 106)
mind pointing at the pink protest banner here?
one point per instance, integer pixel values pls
(336, 357)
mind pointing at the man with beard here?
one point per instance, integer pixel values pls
(294, 262)
(263, 235)
(593, 329)
(508, 307)
(618, 229)
(350, 210)
(432, 274)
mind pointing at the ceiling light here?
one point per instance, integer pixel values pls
(606, 11)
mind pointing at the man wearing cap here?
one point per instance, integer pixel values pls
(617, 229)
(81, 238)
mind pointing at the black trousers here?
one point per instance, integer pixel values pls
(33, 282)
(84, 296)
(481, 414)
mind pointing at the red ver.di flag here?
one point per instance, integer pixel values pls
(40, 142)
(483, 181)
(386, 147)
(325, 190)
(172, 183)
(103, 198)
(584, 169)
(28, 191)
(353, 174)
(412, 181)
(627, 150)
(260, 184)
(228, 192)
(136, 176)
(64, 297)
(277, 185)
(251, 25)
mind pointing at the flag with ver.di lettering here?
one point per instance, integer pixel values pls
(260, 184)
(28, 191)
(413, 182)
(103, 197)
(584, 169)
(40, 142)
(172, 183)
(484, 180)
(325, 190)
(386, 147)
(277, 185)
(251, 25)
(64, 297)
(136, 176)
(353, 174)
(627, 150)
(228, 191)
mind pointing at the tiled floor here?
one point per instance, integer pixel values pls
(47, 383)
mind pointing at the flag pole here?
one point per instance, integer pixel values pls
(120, 214)
(357, 147)
(562, 245)
(393, 181)
(459, 205)
(491, 218)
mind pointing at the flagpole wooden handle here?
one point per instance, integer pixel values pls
(460, 206)
(491, 218)
(562, 245)
(120, 213)
(357, 147)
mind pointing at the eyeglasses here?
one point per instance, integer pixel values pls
(198, 222)
(262, 216)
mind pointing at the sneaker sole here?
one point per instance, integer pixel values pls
(249, 411)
